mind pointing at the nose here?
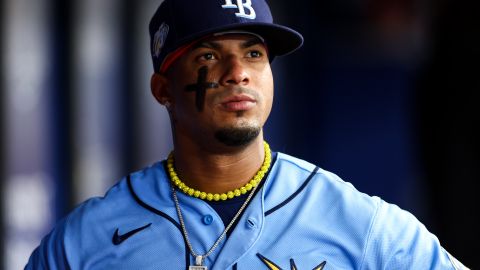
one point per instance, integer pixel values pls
(235, 73)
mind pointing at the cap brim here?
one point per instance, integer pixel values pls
(280, 40)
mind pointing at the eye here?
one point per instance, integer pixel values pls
(255, 54)
(207, 56)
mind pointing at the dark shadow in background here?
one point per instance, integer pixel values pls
(347, 102)
(2, 132)
(129, 99)
(61, 104)
(449, 111)
(347, 97)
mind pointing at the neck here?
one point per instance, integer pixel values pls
(218, 171)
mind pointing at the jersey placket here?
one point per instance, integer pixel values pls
(244, 235)
(203, 226)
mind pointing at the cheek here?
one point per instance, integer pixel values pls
(184, 107)
(182, 104)
(267, 86)
(181, 97)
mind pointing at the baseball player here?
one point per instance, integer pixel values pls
(223, 199)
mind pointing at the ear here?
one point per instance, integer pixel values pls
(159, 87)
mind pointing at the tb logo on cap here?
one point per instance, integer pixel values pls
(241, 8)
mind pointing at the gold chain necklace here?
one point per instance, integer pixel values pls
(223, 196)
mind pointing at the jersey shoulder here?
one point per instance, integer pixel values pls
(292, 176)
(90, 226)
(387, 236)
(398, 240)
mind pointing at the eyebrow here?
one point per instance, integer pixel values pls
(207, 44)
(251, 42)
(216, 45)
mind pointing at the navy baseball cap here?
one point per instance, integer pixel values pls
(177, 23)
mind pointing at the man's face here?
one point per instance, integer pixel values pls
(221, 90)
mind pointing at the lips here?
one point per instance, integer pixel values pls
(238, 103)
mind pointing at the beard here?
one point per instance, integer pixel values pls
(237, 136)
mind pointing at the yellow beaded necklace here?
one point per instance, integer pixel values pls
(224, 196)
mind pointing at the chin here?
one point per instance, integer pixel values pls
(238, 136)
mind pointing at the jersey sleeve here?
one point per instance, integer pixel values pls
(51, 253)
(398, 240)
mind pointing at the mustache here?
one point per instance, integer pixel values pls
(236, 90)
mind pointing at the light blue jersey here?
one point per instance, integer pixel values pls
(303, 218)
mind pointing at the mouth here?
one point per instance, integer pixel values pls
(237, 103)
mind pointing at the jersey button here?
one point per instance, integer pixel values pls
(207, 219)
(251, 223)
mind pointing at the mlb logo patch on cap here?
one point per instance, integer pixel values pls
(159, 39)
(179, 22)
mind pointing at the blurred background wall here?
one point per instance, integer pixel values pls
(383, 93)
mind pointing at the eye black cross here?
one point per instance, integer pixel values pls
(201, 87)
